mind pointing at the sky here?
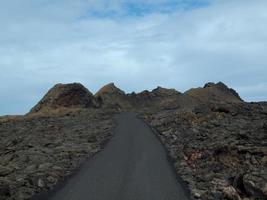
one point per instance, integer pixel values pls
(137, 44)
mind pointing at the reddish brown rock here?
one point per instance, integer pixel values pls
(72, 95)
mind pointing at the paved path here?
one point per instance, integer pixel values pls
(133, 166)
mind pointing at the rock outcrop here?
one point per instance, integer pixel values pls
(73, 95)
(161, 98)
(113, 97)
(212, 92)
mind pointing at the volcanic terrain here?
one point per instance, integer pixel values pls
(216, 142)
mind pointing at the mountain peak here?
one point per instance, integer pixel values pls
(223, 87)
(219, 85)
(109, 89)
(165, 91)
(66, 95)
(215, 92)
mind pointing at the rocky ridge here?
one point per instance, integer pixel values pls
(42, 148)
(112, 97)
(220, 152)
(218, 145)
(216, 141)
(215, 92)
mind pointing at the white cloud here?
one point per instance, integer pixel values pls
(46, 42)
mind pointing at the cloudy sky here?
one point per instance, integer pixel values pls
(138, 44)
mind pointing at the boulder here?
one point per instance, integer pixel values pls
(256, 184)
(230, 193)
(5, 170)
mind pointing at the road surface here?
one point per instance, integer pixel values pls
(133, 166)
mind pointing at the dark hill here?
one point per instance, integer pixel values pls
(212, 92)
(73, 95)
(111, 96)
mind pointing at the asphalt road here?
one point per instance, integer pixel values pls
(133, 166)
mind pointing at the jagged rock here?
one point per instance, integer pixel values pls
(160, 91)
(209, 84)
(4, 170)
(218, 93)
(255, 185)
(40, 183)
(40, 150)
(223, 87)
(113, 97)
(51, 179)
(31, 168)
(231, 194)
(215, 142)
(45, 166)
(109, 89)
(72, 95)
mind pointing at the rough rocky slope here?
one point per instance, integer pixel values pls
(212, 92)
(112, 97)
(39, 151)
(72, 95)
(42, 148)
(218, 145)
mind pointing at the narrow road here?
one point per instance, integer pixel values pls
(133, 166)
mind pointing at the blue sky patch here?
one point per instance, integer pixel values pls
(142, 8)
